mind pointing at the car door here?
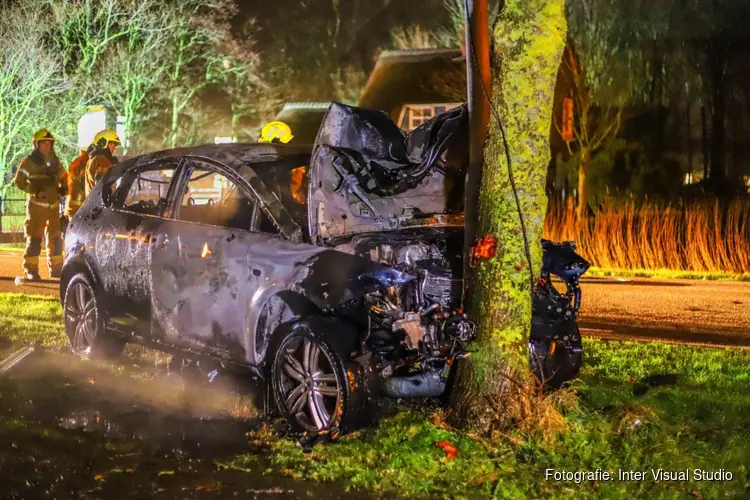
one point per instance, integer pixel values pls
(128, 223)
(202, 283)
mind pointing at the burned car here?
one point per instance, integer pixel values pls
(332, 273)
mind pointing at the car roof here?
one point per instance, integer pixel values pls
(249, 158)
(250, 154)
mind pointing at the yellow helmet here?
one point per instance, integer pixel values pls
(105, 137)
(42, 135)
(276, 130)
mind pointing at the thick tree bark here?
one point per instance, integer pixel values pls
(529, 39)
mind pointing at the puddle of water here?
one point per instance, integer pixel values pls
(74, 429)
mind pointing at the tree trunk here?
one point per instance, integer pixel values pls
(583, 190)
(718, 117)
(704, 143)
(175, 123)
(529, 38)
(689, 138)
(718, 156)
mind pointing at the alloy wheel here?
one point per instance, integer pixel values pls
(308, 383)
(81, 318)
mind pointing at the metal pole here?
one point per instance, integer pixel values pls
(477, 72)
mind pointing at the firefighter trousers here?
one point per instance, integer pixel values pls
(41, 218)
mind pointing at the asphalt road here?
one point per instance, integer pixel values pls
(10, 267)
(695, 311)
(701, 312)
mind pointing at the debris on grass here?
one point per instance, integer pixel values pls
(450, 450)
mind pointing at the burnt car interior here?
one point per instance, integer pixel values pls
(211, 198)
(143, 191)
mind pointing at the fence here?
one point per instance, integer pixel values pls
(12, 214)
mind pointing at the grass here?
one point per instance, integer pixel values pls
(32, 319)
(697, 421)
(699, 237)
(669, 274)
(38, 320)
(15, 247)
(620, 423)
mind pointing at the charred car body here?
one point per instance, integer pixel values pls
(335, 276)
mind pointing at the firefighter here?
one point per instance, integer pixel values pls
(76, 182)
(101, 158)
(43, 178)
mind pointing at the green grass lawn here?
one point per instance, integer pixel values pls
(32, 319)
(701, 420)
(14, 247)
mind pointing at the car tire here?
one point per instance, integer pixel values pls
(84, 322)
(316, 387)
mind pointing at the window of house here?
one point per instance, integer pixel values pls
(414, 115)
(212, 198)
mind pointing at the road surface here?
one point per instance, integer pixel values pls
(702, 312)
(10, 267)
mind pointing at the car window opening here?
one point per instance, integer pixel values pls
(148, 193)
(212, 198)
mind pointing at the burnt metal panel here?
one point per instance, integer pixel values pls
(367, 175)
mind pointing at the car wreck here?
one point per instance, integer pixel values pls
(333, 273)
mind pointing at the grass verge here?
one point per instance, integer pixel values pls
(668, 274)
(14, 247)
(32, 319)
(698, 420)
(642, 406)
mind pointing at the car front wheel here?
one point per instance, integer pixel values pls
(317, 388)
(84, 322)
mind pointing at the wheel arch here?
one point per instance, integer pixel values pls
(77, 264)
(277, 315)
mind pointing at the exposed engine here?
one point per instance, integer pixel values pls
(417, 329)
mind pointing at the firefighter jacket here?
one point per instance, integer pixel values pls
(45, 180)
(100, 161)
(77, 179)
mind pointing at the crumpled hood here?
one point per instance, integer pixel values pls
(367, 175)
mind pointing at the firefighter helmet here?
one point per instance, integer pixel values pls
(42, 135)
(276, 132)
(105, 137)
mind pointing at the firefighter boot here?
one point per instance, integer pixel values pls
(34, 227)
(30, 260)
(54, 246)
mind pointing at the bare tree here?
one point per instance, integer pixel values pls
(608, 62)
(591, 125)
(31, 85)
(204, 53)
(113, 50)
